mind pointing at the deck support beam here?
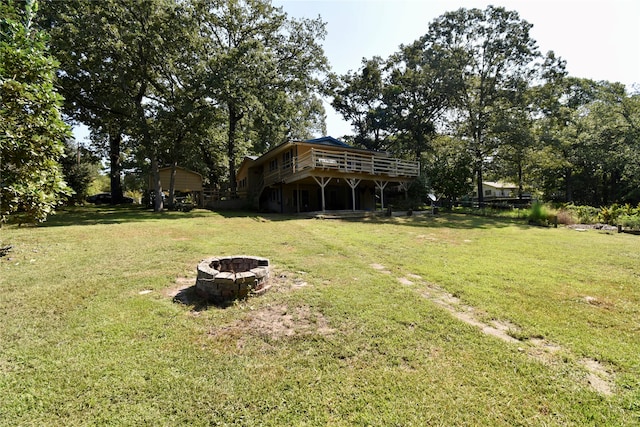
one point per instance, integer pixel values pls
(353, 183)
(381, 186)
(322, 182)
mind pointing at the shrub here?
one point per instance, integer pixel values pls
(609, 215)
(629, 221)
(566, 217)
(540, 214)
(583, 214)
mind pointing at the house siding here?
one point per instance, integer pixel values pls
(294, 176)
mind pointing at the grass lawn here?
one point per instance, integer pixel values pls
(452, 320)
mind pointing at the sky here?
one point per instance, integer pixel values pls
(599, 39)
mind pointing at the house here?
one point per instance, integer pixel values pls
(499, 190)
(186, 182)
(320, 174)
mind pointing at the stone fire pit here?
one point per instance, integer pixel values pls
(227, 278)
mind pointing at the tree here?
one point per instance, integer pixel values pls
(32, 132)
(448, 166)
(490, 53)
(256, 54)
(419, 91)
(91, 77)
(114, 57)
(513, 127)
(608, 158)
(359, 97)
(565, 149)
(80, 167)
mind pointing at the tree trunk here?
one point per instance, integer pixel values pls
(234, 119)
(479, 158)
(520, 189)
(208, 160)
(479, 185)
(172, 185)
(568, 192)
(115, 167)
(158, 204)
(174, 164)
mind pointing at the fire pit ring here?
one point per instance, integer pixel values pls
(234, 277)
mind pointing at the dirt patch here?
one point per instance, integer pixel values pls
(285, 281)
(543, 351)
(278, 322)
(180, 284)
(381, 268)
(598, 302)
(599, 378)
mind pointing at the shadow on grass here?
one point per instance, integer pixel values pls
(108, 214)
(190, 298)
(448, 220)
(93, 215)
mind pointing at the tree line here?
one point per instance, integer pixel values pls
(202, 83)
(474, 99)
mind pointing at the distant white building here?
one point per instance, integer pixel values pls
(499, 190)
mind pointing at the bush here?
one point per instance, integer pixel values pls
(609, 215)
(566, 217)
(582, 214)
(630, 221)
(540, 214)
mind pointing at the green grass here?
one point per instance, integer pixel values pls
(79, 344)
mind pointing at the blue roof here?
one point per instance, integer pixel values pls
(328, 140)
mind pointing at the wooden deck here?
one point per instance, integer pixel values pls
(327, 163)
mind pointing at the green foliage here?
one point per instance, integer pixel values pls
(448, 167)
(609, 214)
(626, 215)
(496, 51)
(80, 168)
(226, 79)
(541, 214)
(100, 184)
(567, 139)
(32, 132)
(256, 63)
(588, 141)
(582, 214)
(358, 96)
(515, 213)
(630, 221)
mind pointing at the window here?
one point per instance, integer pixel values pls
(273, 165)
(487, 192)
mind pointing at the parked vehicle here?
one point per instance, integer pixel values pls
(101, 198)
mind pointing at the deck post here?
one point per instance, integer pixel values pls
(353, 183)
(381, 185)
(322, 183)
(298, 197)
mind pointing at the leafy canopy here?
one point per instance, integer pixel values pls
(32, 132)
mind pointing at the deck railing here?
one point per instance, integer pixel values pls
(345, 162)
